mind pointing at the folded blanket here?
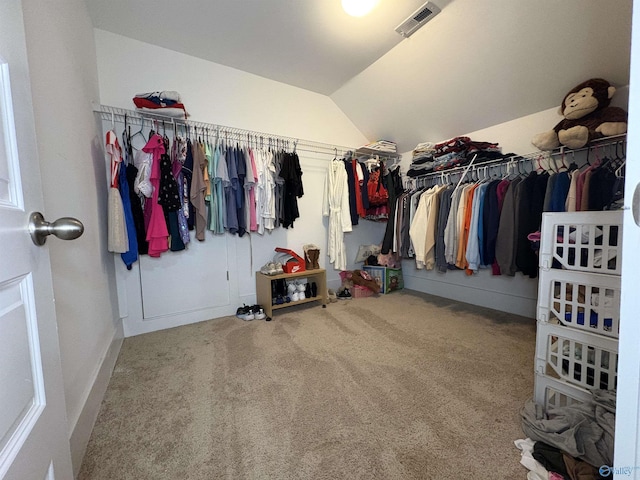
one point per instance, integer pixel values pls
(168, 111)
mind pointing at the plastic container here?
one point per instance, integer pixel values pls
(584, 301)
(578, 358)
(582, 241)
(551, 393)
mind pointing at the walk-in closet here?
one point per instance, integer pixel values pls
(276, 239)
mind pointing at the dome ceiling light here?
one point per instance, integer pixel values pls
(358, 8)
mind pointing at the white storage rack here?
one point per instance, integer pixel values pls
(578, 306)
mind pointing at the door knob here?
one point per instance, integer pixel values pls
(65, 228)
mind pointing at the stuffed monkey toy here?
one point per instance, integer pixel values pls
(587, 116)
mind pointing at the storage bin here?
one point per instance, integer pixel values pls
(579, 358)
(584, 301)
(359, 291)
(389, 279)
(550, 393)
(582, 241)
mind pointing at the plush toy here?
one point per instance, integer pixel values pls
(587, 116)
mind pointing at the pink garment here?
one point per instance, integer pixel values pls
(555, 476)
(157, 233)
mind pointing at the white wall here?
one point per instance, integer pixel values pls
(511, 294)
(64, 85)
(221, 95)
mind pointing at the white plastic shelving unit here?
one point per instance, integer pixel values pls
(578, 306)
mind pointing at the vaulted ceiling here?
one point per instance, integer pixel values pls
(476, 64)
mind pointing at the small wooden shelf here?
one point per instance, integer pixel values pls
(263, 288)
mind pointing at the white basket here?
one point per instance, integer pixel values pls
(585, 301)
(583, 241)
(551, 393)
(579, 358)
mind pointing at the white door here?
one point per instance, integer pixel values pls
(34, 442)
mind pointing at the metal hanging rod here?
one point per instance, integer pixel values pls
(135, 117)
(529, 157)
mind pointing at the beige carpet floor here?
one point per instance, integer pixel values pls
(402, 386)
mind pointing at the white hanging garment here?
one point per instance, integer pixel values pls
(118, 240)
(335, 205)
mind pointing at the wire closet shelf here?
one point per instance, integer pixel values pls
(541, 160)
(252, 137)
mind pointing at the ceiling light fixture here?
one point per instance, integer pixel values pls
(358, 8)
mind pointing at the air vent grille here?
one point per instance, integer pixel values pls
(417, 19)
(424, 13)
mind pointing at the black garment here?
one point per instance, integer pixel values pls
(169, 198)
(351, 181)
(136, 210)
(404, 229)
(293, 189)
(530, 202)
(526, 260)
(187, 173)
(393, 184)
(601, 188)
(168, 195)
(490, 222)
(241, 168)
(443, 215)
(550, 458)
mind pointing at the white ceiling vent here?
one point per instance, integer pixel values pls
(415, 21)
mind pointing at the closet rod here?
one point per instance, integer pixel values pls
(135, 117)
(529, 157)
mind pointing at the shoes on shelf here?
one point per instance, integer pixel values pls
(314, 289)
(269, 269)
(278, 267)
(345, 294)
(295, 297)
(301, 287)
(307, 290)
(245, 313)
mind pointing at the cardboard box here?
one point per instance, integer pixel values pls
(389, 279)
(292, 263)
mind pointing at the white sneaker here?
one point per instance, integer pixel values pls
(295, 297)
(269, 269)
(260, 315)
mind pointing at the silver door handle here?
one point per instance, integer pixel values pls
(65, 228)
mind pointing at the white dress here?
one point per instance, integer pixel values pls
(335, 205)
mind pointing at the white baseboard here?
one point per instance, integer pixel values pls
(503, 301)
(84, 425)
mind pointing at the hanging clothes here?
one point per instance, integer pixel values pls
(393, 184)
(157, 232)
(335, 205)
(169, 198)
(118, 240)
(293, 189)
(179, 156)
(198, 189)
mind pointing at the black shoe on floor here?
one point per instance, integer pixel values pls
(344, 295)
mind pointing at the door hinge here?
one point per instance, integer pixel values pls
(227, 275)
